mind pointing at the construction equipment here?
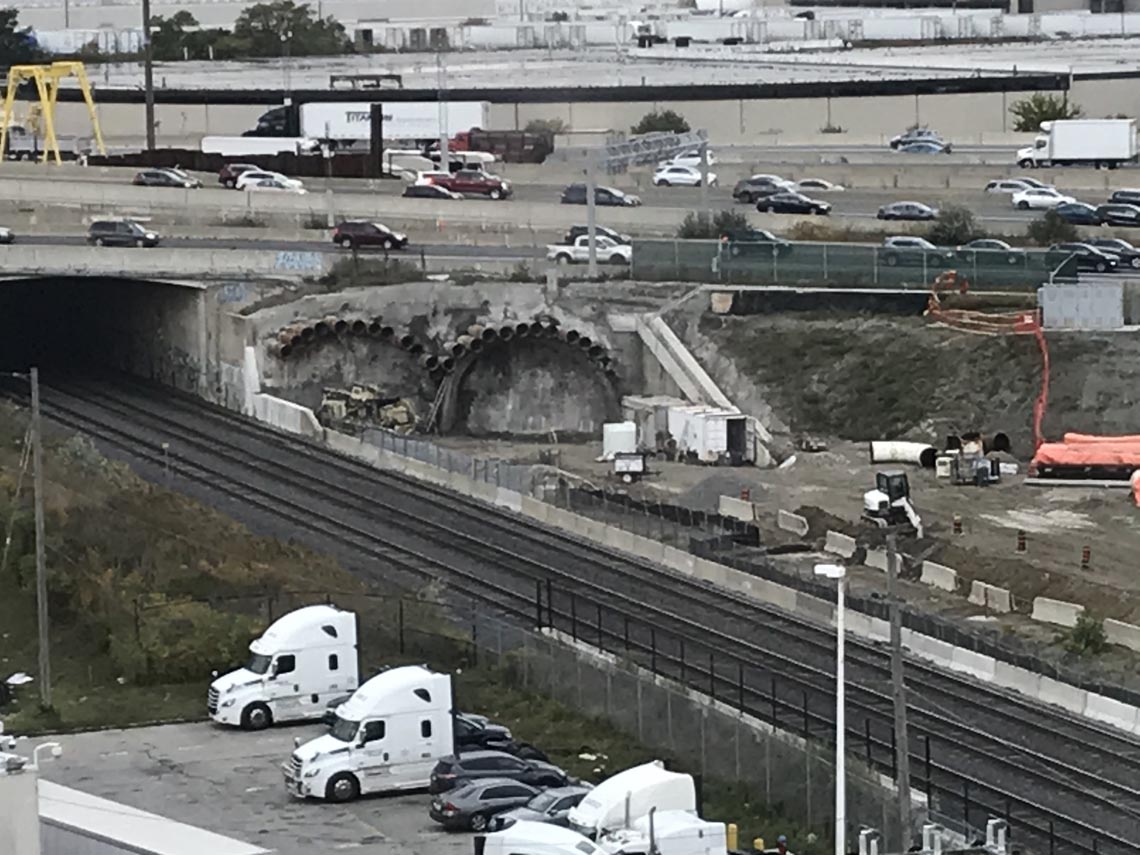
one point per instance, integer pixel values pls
(889, 503)
(364, 406)
(968, 463)
(47, 79)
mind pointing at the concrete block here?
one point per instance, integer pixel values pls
(1062, 695)
(650, 550)
(679, 560)
(711, 572)
(876, 559)
(840, 544)
(977, 593)
(617, 538)
(1111, 711)
(508, 499)
(794, 523)
(1020, 680)
(939, 576)
(286, 416)
(1056, 611)
(930, 649)
(534, 508)
(736, 508)
(975, 664)
(813, 607)
(999, 599)
(1124, 634)
(483, 490)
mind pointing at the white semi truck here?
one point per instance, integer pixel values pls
(303, 661)
(345, 124)
(387, 736)
(1076, 142)
(631, 794)
(657, 833)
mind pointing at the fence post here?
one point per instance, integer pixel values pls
(775, 715)
(626, 631)
(474, 644)
(400, 621)
(867, 738)
(807, 726)
(740, 685)
(601, 641)
(926, 741)
(573, 616)
(966, 806)
(549, 604)
(653, 649)
(712, 677)
(682, 644)
(538, 603)
(138, 627)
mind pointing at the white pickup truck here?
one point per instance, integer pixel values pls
(578, 252)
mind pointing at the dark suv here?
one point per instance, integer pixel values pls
(575, 194)
(120, 233)
(228, 174)
(354, 233)
(473, 765)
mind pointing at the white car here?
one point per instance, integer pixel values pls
(609, 251)
(255, 175)
(671, 175)
(1016, 185)
(274, 185)
(6, 235)
(688, 158)
(1039, 198)
(817, 185)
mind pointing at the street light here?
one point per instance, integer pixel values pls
(839, 573)
(56, 751)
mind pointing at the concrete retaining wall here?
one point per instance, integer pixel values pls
(736, 508)
(939, 576)
(287, 416)
(794, 523)
(840, 544)
(1056, 611)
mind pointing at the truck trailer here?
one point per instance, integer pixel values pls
(345, 124)
(1075, 142)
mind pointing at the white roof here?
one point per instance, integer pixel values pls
(613, 790)
(526, 832)
(393, 692)
(132, 829)
(670, 821)
(304, 627)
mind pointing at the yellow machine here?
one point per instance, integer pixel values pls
(47, 79)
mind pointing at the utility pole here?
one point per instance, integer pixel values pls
(441, 88)
(898, 685)
(148, 76)
(41, 568)
(67, 14)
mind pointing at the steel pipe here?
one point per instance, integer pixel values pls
(429, 361)
(447, 364)
(886, 451)
(537, 329)
(571, 336)
(308, 333)
(585, 342)
(469, 343)
(324, 327)
(456, 349)
(522, 330)
(386, 333)
(596, 351)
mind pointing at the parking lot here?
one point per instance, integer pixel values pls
(230, 782)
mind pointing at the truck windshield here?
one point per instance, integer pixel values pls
(258, 663)
(344, 729)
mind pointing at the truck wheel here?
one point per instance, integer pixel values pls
(256, 717)
(495, 194)
(342, 787)
(617, 259)
(563, 258)
(478, 822)
(1101, 267)
(1026, 163)
(1023, 205)
(230, 183)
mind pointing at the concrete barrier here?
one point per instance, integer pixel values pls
(794, 523)
(839, 544)
(939, 576)
(975, 664)
(679, 560)
(1062, 695)
(1111, 712)
(1056, 611)
(876, 559)
(1019, 679)
(990, 597)
(534, 508)
(1124, 634)
(620, 539)
(736, 508)
(508, 499)
(931, 649)
(711, 572)
(286, 416)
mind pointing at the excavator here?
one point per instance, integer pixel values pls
(889, 504)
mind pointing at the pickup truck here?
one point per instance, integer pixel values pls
(579, 252)
(471, 182)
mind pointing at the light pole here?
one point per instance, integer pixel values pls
(148, 76)
(286, 43)
(839, 573)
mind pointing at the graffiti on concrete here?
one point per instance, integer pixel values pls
(232, 292)
(305, 262)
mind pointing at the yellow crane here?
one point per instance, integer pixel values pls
(47, 79)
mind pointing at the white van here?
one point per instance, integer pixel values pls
(304, 660)
(387, 736)
(627, 796)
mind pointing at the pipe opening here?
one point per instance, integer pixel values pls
(374, 328)
(447, 364)
(359, 327)
(340, 326)
(308, 333)
(572, 336)
(585, 342)
(596, 351)
(416, 349)
(522, 330)
(998, 442)
(507, 333)
(407, 340)
(386, 333)
(429, 361)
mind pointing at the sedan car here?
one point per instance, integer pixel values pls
(681, 176)
(754, 242)
(749, 190)
(274, 185)
(817, 185)
(1039, 198)
(165, 178)
(1015, 185)
(1119, 215)
(907, 249)
(692, 157)
(356, 233)
(254, 175)
(907, 211)
(470, 766)
(914, 135)
(1088, 257)
(1128, 254)
(575, 194)
(550, 806)
(987, 250)
(788, 202)
(430, 191)
(1128, 196)
(472, 805)
(1078, 213)
(228, 174)
(924, 147)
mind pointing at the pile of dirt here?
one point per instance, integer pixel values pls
(865, 377)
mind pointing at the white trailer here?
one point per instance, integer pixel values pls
(1074, 142)
(351, 121)
(246, 146)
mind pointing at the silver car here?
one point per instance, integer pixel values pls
(550, 806)
(472, 805)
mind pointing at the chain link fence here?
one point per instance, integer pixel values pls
(513, 476)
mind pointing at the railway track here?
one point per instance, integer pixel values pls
(1065, 783)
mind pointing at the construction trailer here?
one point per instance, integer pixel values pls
(693, 432)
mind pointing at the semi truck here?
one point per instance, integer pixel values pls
(1075, 142)
(25, 144)
(347, 124)
(248, 146)
(508, 146)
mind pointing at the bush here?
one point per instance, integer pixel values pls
(1087, 638)
(1032, 111)
(1051, 229)
(955, 225)
(698, 226)
(545, 126)
(659, 121)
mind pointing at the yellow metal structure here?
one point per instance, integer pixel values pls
(47, 79)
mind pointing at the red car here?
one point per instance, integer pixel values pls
(228, 175)
(472, 182)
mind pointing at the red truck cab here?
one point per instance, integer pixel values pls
(472, 182)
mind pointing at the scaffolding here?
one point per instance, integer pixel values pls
(47, 80)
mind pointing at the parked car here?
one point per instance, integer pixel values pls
(1128, 254)
(1078, 213)
(789, 202)
(253, 175)
(550, 806)
(1127, 196)
(177, 172)
(755, 242)
(924, 147)
(7, 235)
(471, 766)
(1088, 257)
(575, 194)
(984, 250)
(165, 178)
(692, 157)
(430, 191)
(120, 233)
(472, 805)
(1119, 215)
(907, 211)
(749, 190)
(1039, 198)
(914, 135)
(911, 250)
(577, 231)
(817, 185)
(608, 251)
(357, 233)
(274, 185)
(669, 175)
(471, 182)
(228, 174)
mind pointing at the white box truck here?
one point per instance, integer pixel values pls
(622, 799)
(387, 736)
(304, 660)
(1074, 142)
(344, 124)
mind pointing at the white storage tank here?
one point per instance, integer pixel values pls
(618, 438)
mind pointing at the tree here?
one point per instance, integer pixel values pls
(1087, 638)
(955, 225)
(658, 121)
(17, 46)
(545, 126)
(698, 226)
(1039, 107)
(1051, 229)
(170, 37)
(280, 26)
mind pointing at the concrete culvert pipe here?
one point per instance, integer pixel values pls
(284, 350)
(308, 333)
(506, 333)
(456, 349)
(386, 333)
(374, 328)
(585, 342)
(429, 361)
(447, 364)
(537, 329)
(340, 327)
(596, 351)
(324, 327)
(603, 360)
(572, 336)
(550, 330)
(407, 340)
(416, 348)
(472, 344)
(359, 327)
(522, 330)
(998, 442)
(920, 453)
(476, 331)
(285, 335)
